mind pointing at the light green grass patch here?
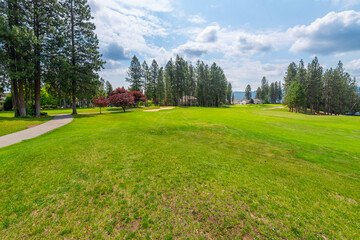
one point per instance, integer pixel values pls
(10, 124)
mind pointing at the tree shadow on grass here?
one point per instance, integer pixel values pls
(85, 115)
(28, 119)
(121, 112)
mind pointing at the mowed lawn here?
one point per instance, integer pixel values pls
(9, 124)
(187, 173)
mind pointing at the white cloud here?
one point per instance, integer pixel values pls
(230, 43)
(196, 19)
(152, 5)
(333, 33)
(343, 3)
(123, 28)
(209, 34)
(353, 67)
(254, 43)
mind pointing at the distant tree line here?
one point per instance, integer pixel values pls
(48, 42)
(266, 93)
(332, 91)
(179, 83)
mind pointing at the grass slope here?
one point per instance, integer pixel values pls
(242, 172)
(9, 124)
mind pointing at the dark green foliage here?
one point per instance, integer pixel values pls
(229, 93)
(295, 97)
(108, 88)
(160, 87)
(264, 90)
(248, 92)
(80, 47)
(8, 103)
(179, 83)
(272, 93)
(258, 93)
(48, 41)
(135, 75)
(333, 92)
(154, 74)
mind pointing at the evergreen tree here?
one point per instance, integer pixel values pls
(272, 93)
(248, 92)
(17, 42)
(146, 78)
(41, 15)
(154, 74)
(295, 97)
(313, 84)
(180, 75)
(160, 87)
(135, 75)
(191, 83)
(276, 89)
(264, 90)
(229, 93)
(279, 92)
(290, 76)
(258, 93)
(169, 81)
(81, 47)
(108, 88)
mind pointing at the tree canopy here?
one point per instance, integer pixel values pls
(332, 91)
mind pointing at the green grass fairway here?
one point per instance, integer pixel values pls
(187, 173)
(9, 124)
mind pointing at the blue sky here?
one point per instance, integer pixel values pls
(248, 39)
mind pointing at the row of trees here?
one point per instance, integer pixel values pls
(332, 91)
(48, 41)
(180, 83)
(266, 93)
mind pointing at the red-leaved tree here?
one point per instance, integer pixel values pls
(121, 98)
(101, 102)
(138, 96)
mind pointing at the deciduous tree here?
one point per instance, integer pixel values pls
(101, 102)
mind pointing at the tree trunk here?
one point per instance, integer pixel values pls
(64, 101)
(27, 87)
(21, 102)
(37, 96)
(73, 60)
(14, 98)
(74, 105)
(37, 62)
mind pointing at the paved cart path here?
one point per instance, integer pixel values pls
(56, 122)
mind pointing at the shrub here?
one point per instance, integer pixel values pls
(8, 103)
(138, 96)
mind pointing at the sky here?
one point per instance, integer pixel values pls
(247, 39)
